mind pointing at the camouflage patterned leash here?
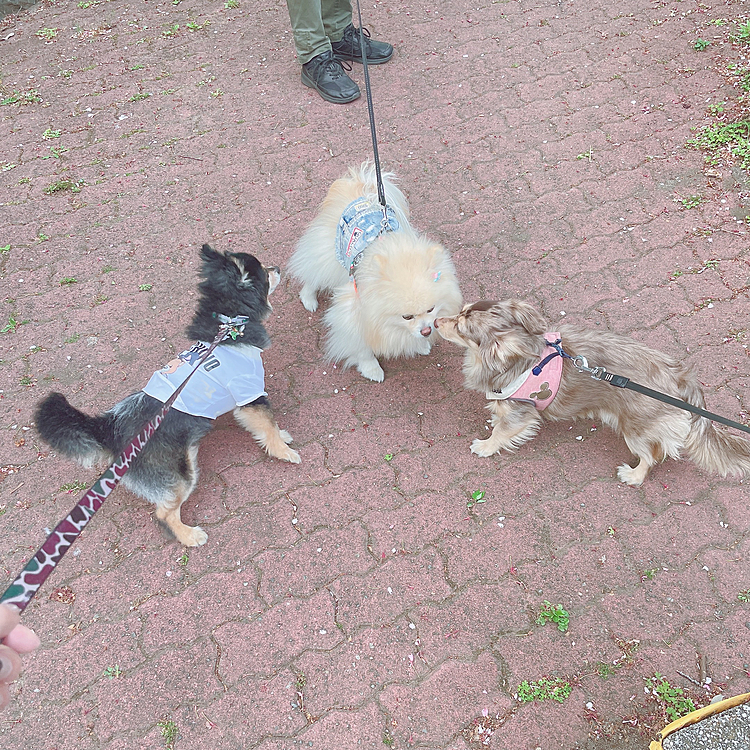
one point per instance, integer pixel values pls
(38, 569)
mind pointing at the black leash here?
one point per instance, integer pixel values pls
(371, 112)
(620, 381)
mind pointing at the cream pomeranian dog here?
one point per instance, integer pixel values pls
(508, 359)
(388, 283)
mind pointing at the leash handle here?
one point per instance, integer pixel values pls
(38, 568)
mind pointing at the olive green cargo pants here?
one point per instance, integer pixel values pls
(317, 23)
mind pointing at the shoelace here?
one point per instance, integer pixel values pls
(335, 67)
(355, 39)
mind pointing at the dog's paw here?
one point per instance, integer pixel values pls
(291, 455)
(631, 476)
(424, 346)
(286, 437)
(192, 536)
(372, 370)
(309, 299)
(483, 448)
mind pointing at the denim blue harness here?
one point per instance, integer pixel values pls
(362, 222)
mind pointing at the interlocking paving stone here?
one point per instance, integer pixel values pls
(360, 600)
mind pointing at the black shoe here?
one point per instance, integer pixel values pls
(325, 74)
(349, 48)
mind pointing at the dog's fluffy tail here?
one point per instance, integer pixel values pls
(366, 174)
(73, 433)
(717, 451)
(710, 447)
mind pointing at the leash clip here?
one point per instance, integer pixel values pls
(385, 224)
(232, 327)
(581, 364)
(232, 331)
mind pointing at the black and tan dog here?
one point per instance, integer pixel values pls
(230, 379)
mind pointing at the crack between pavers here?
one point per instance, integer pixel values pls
(217, 662)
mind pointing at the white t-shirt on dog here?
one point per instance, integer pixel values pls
(231, 376)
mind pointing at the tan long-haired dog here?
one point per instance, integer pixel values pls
(505, 340)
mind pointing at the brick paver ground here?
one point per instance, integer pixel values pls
(355, 601)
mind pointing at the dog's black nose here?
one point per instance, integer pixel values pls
(426, 331)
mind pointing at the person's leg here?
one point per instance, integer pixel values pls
(320, 69)
(310, 38)
(337, 15)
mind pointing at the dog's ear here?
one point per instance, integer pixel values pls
(381, 264)
(528, 317)
(211, 257)
(434, 255)
(504, 350)
(515, 332)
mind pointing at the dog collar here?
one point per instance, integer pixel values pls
(539, 384)
(361, 223)
(233, 327)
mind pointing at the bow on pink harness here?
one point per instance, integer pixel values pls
(538, 385)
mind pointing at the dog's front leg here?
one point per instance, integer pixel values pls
(423, 346)
(371, 369)
(257, 419)
(513, 424)
(168, 507)
(309, 297)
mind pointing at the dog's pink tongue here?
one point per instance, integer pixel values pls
(426, 331)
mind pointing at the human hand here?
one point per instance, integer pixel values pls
(16, 639)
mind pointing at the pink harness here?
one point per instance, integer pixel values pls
(537, 385)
